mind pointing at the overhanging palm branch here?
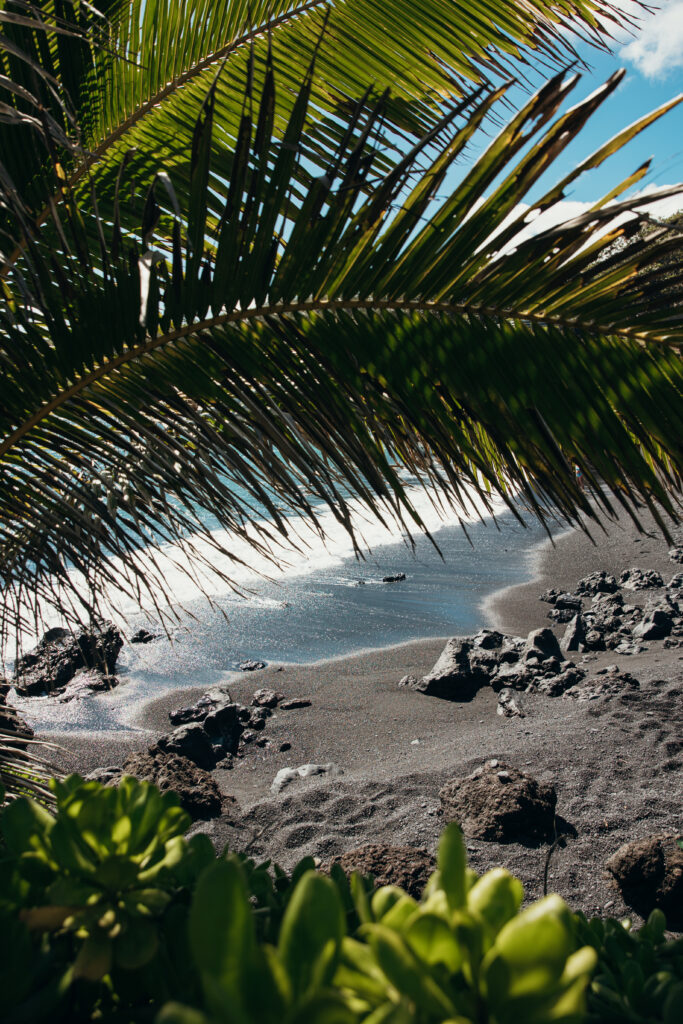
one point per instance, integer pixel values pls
(293, 352)
(23, 771)
(136, 85)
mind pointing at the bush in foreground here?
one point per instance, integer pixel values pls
(108, 913)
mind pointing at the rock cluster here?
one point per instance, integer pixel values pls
(61, 656)
(505, 663)
(502, 804)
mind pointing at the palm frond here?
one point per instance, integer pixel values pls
(292, 351)
(24, 772)
(137, 84)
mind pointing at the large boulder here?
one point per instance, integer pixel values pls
(574, 638)
(542, 644)
(452, 677)
(501, 804)
(655, 625)
(60, 654)
(649, 873)
(190, 741)
(405, 866)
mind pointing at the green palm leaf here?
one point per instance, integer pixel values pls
(295, 348)
(137, 91)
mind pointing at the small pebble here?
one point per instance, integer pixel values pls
(414, 743)
(493, 764)
(285, 746)
(503, 776)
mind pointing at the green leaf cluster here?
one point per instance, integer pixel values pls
(109, 913)
(640, 975)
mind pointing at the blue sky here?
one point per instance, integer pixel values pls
(654, 62)
(653, 57)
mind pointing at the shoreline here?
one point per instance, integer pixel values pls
(617, 767)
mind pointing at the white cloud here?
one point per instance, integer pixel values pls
(657, 49)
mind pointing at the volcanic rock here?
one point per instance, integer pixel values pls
(143, 636)
(396, 577)
(655, 625)
(543, 643)
(190, 741)
(596, 583)
(640, 579)
(452, 677)
(676, 581)
(295, 702)
(611, 683)
(198, 791)
(676, 554)
(404, 866)
(251, 666)
(501, 804)
(266, 698)
(507, 705)
(11, 721)
(649, 873)
(60, 654)
(487, 640)
(574, 638)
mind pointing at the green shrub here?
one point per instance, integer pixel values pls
(465, 953)
(639, 976)
(108, 913)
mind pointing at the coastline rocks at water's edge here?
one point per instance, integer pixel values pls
(501, 804)
(649, 873)
(61, 654)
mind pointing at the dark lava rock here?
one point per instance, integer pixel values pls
(542, 642)
(396, 577)
(251, 666)
(596, 583)
(452, 677)
(224, 727)
(655, 625)
(676, 581)
(501, 804)
(676, 554)
(190, 741)
(258, 718)
(568, 602)
(508, 706)
(488, 640)
(266, 699)
(574, 638)
(60, 654)
(640, 579)
(555, 686)
(516, 676)
(561, 615)
(649, 873)
(195, 712)
(611, 683)
(404, 866)
(549, 596)
(198, 792)
(593, 640)
(86, 682)
(143, 636)
(295, 702)
(11, 721)
(285, 745)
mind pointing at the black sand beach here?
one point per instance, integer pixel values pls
(616, 763)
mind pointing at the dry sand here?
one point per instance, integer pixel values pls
(617, 765)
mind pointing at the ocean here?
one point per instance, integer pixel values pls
(321, 604)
